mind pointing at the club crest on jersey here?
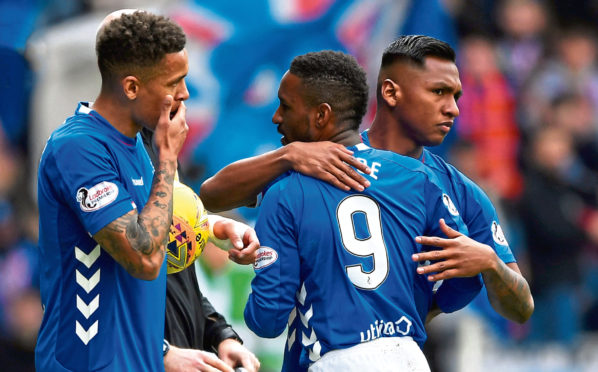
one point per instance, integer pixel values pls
(497, 234)
(449, 205)
(266, 256)
(97, 196)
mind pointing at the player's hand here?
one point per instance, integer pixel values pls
(459, 256)
(184, 360)
(247, 254)
(330, 162)
(243, 240)
(236, 355)
(172, 128)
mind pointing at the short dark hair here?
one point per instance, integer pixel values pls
(415, 48)
(136, 40)
(334, 78)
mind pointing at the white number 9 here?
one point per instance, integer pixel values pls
(371, 246)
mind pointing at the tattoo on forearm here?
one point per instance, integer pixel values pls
(146, 232)
(510, 292)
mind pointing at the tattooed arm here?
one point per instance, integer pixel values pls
(508, 291)
(461, 256)
(138, 240)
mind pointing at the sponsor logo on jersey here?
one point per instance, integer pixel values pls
(381, 328)
(498, 235)
(266, 256)
(97, 196)
(137, 181)
(449, 205)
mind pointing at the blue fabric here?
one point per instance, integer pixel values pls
(97, 316)
(341, 261)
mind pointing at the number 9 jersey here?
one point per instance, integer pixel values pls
(336, 266)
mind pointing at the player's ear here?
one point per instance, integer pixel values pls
(390, 92)
(323, 115)
(130, 85)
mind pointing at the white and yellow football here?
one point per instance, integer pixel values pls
(189, 230)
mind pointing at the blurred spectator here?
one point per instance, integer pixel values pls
(575, 11)
(576, 113)
(571, 69)
(487, 118)
(521, 47)
(472, 16)
(552, 212)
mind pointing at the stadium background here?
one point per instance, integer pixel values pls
(528, 134)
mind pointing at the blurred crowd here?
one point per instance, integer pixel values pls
(527, 133)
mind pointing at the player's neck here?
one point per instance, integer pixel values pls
(391, 137)
(117, 115)
(347, 137)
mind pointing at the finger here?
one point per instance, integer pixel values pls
(433, 241)
(447, 274)
(429, 256)
(166, 107)
(250, 363)
(436, 267)
(181, 112)
(352, 161)
(237, 234)
(342, 173)
(250, 237)
(334, 181)
(450, 232)
(217, 363)
(350, 176)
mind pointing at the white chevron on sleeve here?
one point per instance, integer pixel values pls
(308, 341)
(305, 318)
(84, 335)
(314, 353)
(291, 339)
(85, 309)
(292, 316)
(90, 284)
(302, 294)
(88, 259)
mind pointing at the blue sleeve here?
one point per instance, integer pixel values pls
(88, 181)
(456, 293)
(483, 223)
(277, 271)
(452, 294)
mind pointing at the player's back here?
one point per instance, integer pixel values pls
(356, 278)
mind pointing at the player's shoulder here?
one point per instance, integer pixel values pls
(365, 152)
(77, 130)
(442, 168)
(283, 183)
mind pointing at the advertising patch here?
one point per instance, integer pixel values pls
(266, 256)
(97, 197)
(449, 205)
(497, 234)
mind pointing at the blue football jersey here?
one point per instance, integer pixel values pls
(337, 265)
(475, 206)
(96, 315)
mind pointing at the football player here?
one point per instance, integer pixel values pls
(337, 264)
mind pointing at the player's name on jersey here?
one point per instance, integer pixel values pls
(374, 168)
(380, 328)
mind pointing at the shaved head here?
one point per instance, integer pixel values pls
(133, 42)
(110, 17)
